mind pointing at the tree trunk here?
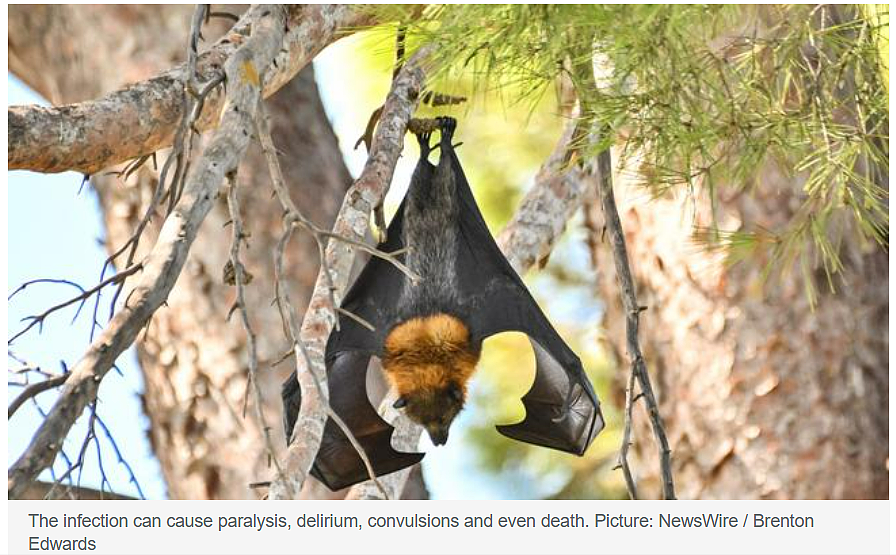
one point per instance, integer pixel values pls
(762, 396)
(193, 360)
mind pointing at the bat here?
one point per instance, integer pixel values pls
(428, 333)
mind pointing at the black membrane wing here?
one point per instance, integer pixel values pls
(562, 411)
(373, 297)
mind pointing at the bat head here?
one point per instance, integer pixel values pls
(435, 410)
(428, 361)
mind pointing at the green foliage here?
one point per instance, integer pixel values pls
(708, 95)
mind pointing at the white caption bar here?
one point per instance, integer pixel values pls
(513, 527)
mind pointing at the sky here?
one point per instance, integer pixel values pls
(56, 232)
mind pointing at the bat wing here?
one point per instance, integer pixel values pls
(372, 296)
(562, 411)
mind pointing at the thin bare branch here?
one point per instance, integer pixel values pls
(132, 478)
(33, 390)
(623, 463)
(291, 216)
(238, 237)
(194, 94)
(632, 313)
(291, 211)
(164, 263)
(85, 294)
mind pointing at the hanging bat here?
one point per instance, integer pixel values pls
(428, 333)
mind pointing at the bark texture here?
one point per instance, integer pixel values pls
(193, 360)
(762, 396)
(141, 118)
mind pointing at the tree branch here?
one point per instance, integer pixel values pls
(541, 217)
(143, 118)
(292, 215)
(164, 263)
(632, 313)
(352, 223)
(33, 390)
(240, 279)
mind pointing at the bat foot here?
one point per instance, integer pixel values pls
(447, 125)
(423, 141)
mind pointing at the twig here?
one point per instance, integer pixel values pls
(623, 463)
(194, 95)
(240, 279)
(632, 312)
(295, 216)
(39, 319)
(79, 463)
(121, 459)
(317, 397)
(34, 390)
(200, 15)
(166, 260)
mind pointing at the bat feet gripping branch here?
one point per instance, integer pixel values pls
(447, 125)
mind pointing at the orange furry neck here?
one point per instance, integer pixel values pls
(428, 354)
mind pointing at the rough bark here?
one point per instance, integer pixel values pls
(193, 361)
(762, 396)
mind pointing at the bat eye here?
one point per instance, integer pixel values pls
(455, 393)
(400, 403)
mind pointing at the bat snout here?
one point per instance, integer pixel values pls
(438, 437)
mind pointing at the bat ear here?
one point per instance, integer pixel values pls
(400, 403)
